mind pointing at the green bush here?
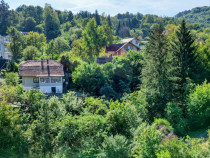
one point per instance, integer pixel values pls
(115, 146)
(147, 139)
(89, 77)
(12, 139)
(11, 78)
(72, 103)
(96, 106)
(198, 106)
(174, 115)
(123, 119)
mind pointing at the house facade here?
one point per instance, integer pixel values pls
(4, 52)
(46, 75)
(124, 47)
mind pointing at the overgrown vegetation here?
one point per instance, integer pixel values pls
(142, 104)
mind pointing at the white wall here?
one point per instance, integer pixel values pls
(48, 89)
(44, 87)
(28, 82)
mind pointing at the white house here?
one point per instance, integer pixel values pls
(46, 75)
(4, 52)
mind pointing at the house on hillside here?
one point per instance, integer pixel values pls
(46, 75)
(4, 52)
(124, 47)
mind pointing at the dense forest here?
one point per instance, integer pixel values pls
(198, 15)
(151, 104)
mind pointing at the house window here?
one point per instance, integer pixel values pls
(42, 80)
(36, 80)
(55, 80)
(45, 80)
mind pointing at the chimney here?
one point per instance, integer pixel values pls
(48, 67)
(42, 64)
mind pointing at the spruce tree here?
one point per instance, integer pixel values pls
(184, 61)
(155, 73)
(118, 28)
(109, 22)
(97, 18)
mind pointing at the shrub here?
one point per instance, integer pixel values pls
(115, 146)
(174, 115)
(72, 103)
(96, 106)
(13, 142)
(89, 77)
(198, 106)
(11, 78)
(123, 119)
(147, 140)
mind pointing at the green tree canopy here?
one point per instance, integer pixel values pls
(4, 17)
(17, 43)
(35, 39)
(51, 23)
(31, 53)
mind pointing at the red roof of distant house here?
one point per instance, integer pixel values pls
(41, 68)
(114, 47)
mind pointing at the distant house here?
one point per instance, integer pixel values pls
(4, 52)
(124, 47)
(46, 75)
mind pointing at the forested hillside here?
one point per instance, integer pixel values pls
(143, 104)
(198, 15)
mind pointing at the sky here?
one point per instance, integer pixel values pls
(113, 7)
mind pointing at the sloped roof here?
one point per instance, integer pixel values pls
(127, 40)
(41, 68)
(113, 47)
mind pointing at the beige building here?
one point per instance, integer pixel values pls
(124, 47)
(4, 52)
(46, 75)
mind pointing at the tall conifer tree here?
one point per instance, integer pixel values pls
(184, 59)
(97, 18)
(155, 73)
(109, 22)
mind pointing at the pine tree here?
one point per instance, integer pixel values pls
(155, 73)
(97, 18)
(184, 59)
